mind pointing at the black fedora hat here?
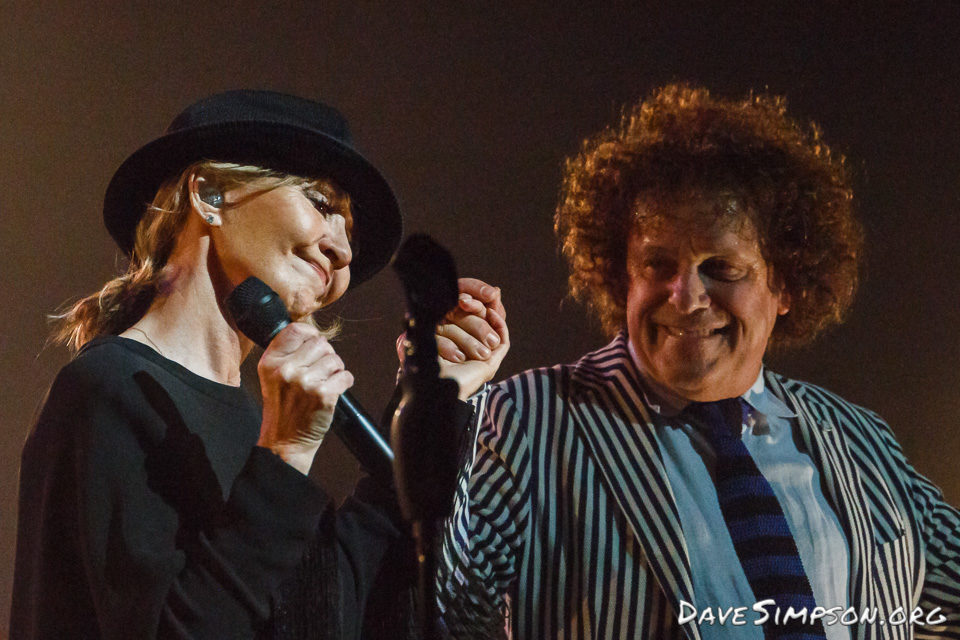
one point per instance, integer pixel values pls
(272, 130)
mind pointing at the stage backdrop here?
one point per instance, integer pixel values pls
(470, 113)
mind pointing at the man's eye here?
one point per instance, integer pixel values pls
(722, 270)
(658, 268)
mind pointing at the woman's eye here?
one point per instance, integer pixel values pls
(319, 202)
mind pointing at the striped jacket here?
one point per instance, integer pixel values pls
(565, 521)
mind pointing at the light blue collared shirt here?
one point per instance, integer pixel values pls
(718, 577)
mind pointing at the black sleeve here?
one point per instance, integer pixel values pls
(108, 549)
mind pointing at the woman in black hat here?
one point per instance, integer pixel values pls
(157, 499)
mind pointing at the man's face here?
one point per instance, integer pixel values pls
(701, 303)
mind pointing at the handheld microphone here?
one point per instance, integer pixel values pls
(260, 315)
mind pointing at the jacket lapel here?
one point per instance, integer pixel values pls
(608, 408)
(823, 439)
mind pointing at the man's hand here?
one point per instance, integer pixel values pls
(301, 378)
(473, 338)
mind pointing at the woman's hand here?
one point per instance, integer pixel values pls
(473, 339)
(301, 378)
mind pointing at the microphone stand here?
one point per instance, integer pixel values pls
(424, 433)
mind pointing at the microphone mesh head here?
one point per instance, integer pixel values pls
(257, 310)
(429, 277)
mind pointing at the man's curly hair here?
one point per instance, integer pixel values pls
(682, 141)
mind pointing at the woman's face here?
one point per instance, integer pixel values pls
(292, 238)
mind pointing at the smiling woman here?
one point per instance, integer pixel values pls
(126, 298)
(292, 233)
(157, 498)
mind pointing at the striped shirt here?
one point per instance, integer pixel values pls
(566, 524)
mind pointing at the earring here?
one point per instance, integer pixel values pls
(209, 218)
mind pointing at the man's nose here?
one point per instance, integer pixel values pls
(688, 291)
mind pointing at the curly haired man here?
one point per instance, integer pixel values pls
(668, 484)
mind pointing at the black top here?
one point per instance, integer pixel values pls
(146, 510)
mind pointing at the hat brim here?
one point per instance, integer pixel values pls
(378, 224)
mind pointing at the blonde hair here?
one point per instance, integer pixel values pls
(122, 301)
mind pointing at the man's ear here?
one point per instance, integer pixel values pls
(206, 199)
(783, 302)
(779, 288)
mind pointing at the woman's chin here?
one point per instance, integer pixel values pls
(338, 287)
(300, 305)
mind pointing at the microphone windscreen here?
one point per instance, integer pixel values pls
(257, 310)
(429, 277)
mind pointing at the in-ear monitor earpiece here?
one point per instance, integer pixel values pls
(211, 195)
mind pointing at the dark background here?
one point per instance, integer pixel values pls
(470, 112)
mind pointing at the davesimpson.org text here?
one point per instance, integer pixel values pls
(765, 612)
